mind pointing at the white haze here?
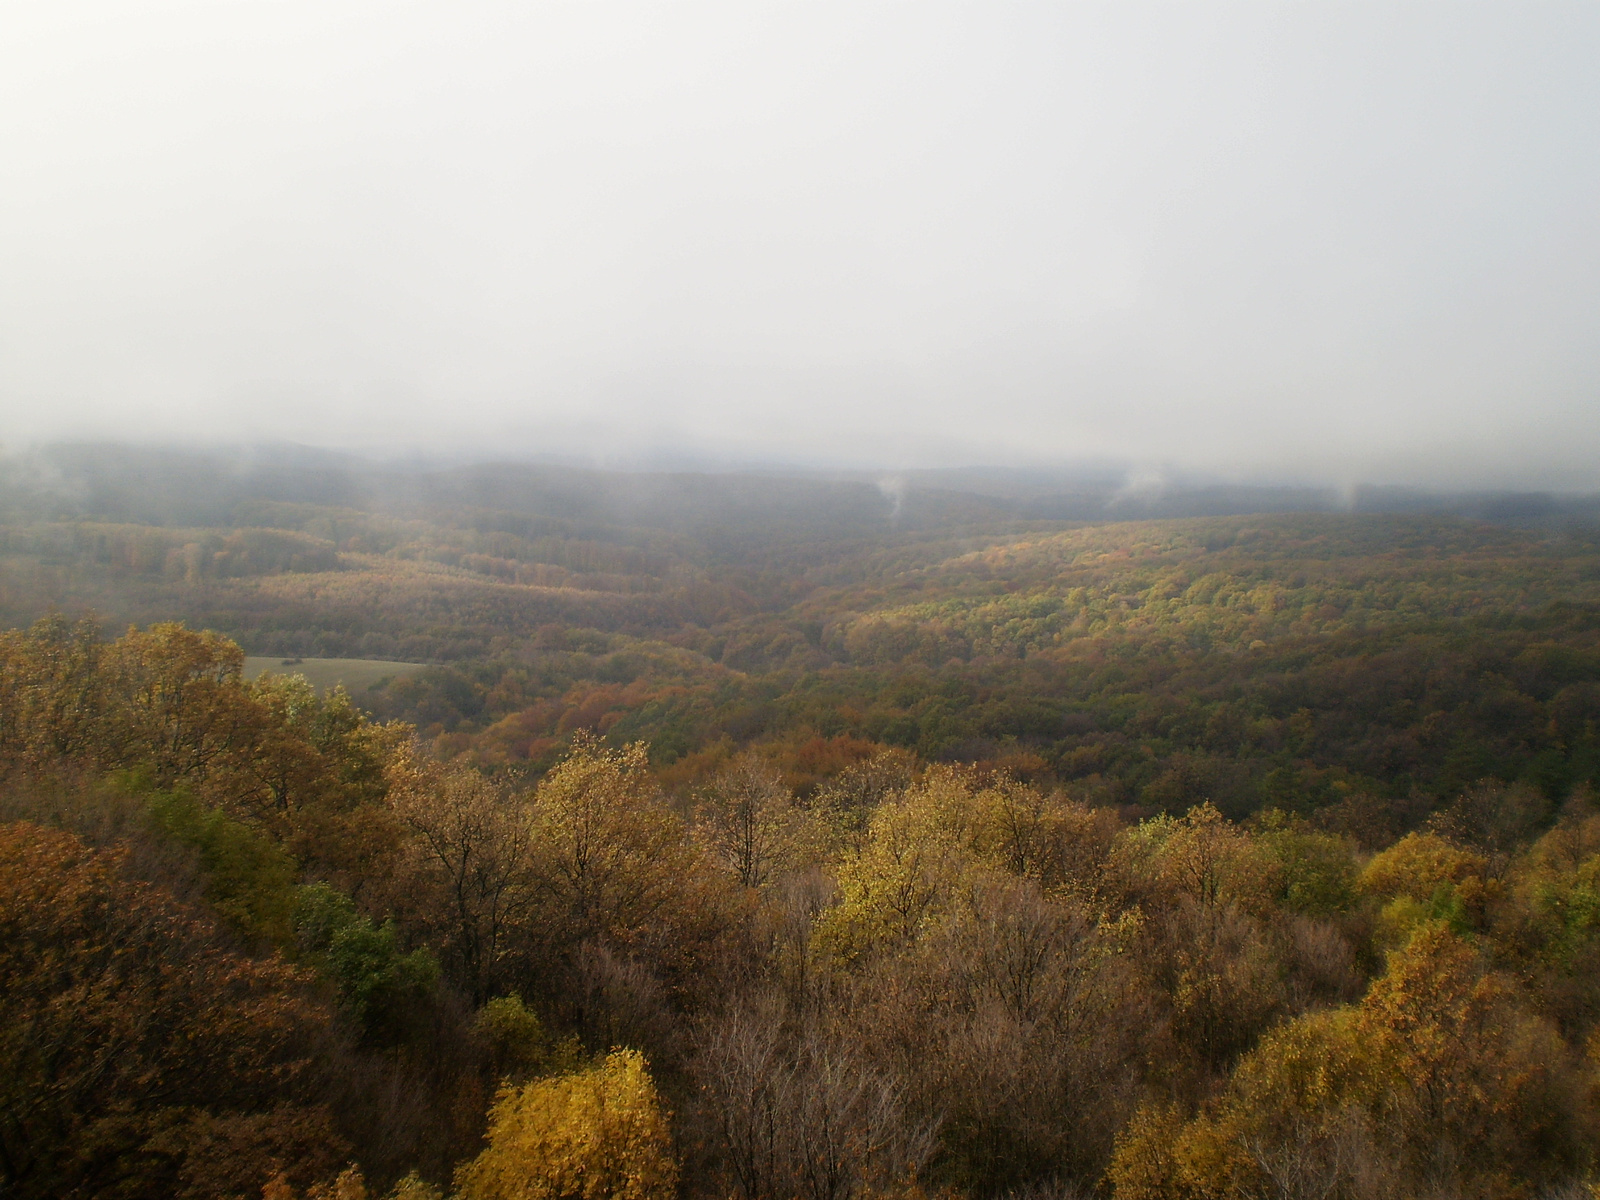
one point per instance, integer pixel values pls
(1342, 242)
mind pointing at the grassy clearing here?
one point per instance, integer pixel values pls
(355, 673)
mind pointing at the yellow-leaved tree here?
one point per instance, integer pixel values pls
(908, 873)
(1440, 1082)
(612, 858)
(1424, 877)
(596, 1134)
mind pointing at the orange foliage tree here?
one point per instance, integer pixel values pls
(138, 1055)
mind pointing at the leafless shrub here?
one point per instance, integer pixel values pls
(1020, 948)
(741, 1065)
(1323, 965)
(621, 1003)
(799, 899)
(1325, 1160)
(800, 1117)
(847, 1128)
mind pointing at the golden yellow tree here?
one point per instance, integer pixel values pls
(1438, 1082)
(907, 874)
(1425, 877)
(613, 865)
(598, 1134)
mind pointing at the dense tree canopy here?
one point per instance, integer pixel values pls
(1209, 858)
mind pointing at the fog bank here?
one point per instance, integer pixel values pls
(1340, 244)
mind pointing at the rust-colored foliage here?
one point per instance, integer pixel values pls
(141, 1057)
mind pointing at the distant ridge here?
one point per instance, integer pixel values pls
(225, 487)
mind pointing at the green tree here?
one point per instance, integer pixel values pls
(377, 982)
(249, 878)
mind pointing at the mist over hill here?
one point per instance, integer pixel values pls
(157, 485)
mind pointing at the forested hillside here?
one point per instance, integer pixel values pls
(1289, 660)
(790, 840)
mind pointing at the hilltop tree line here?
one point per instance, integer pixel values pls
(255, 942)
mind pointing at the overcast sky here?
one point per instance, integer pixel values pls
(1349, 242)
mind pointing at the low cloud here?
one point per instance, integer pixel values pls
(1309, 242)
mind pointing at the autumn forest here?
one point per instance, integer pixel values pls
(536, 833)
